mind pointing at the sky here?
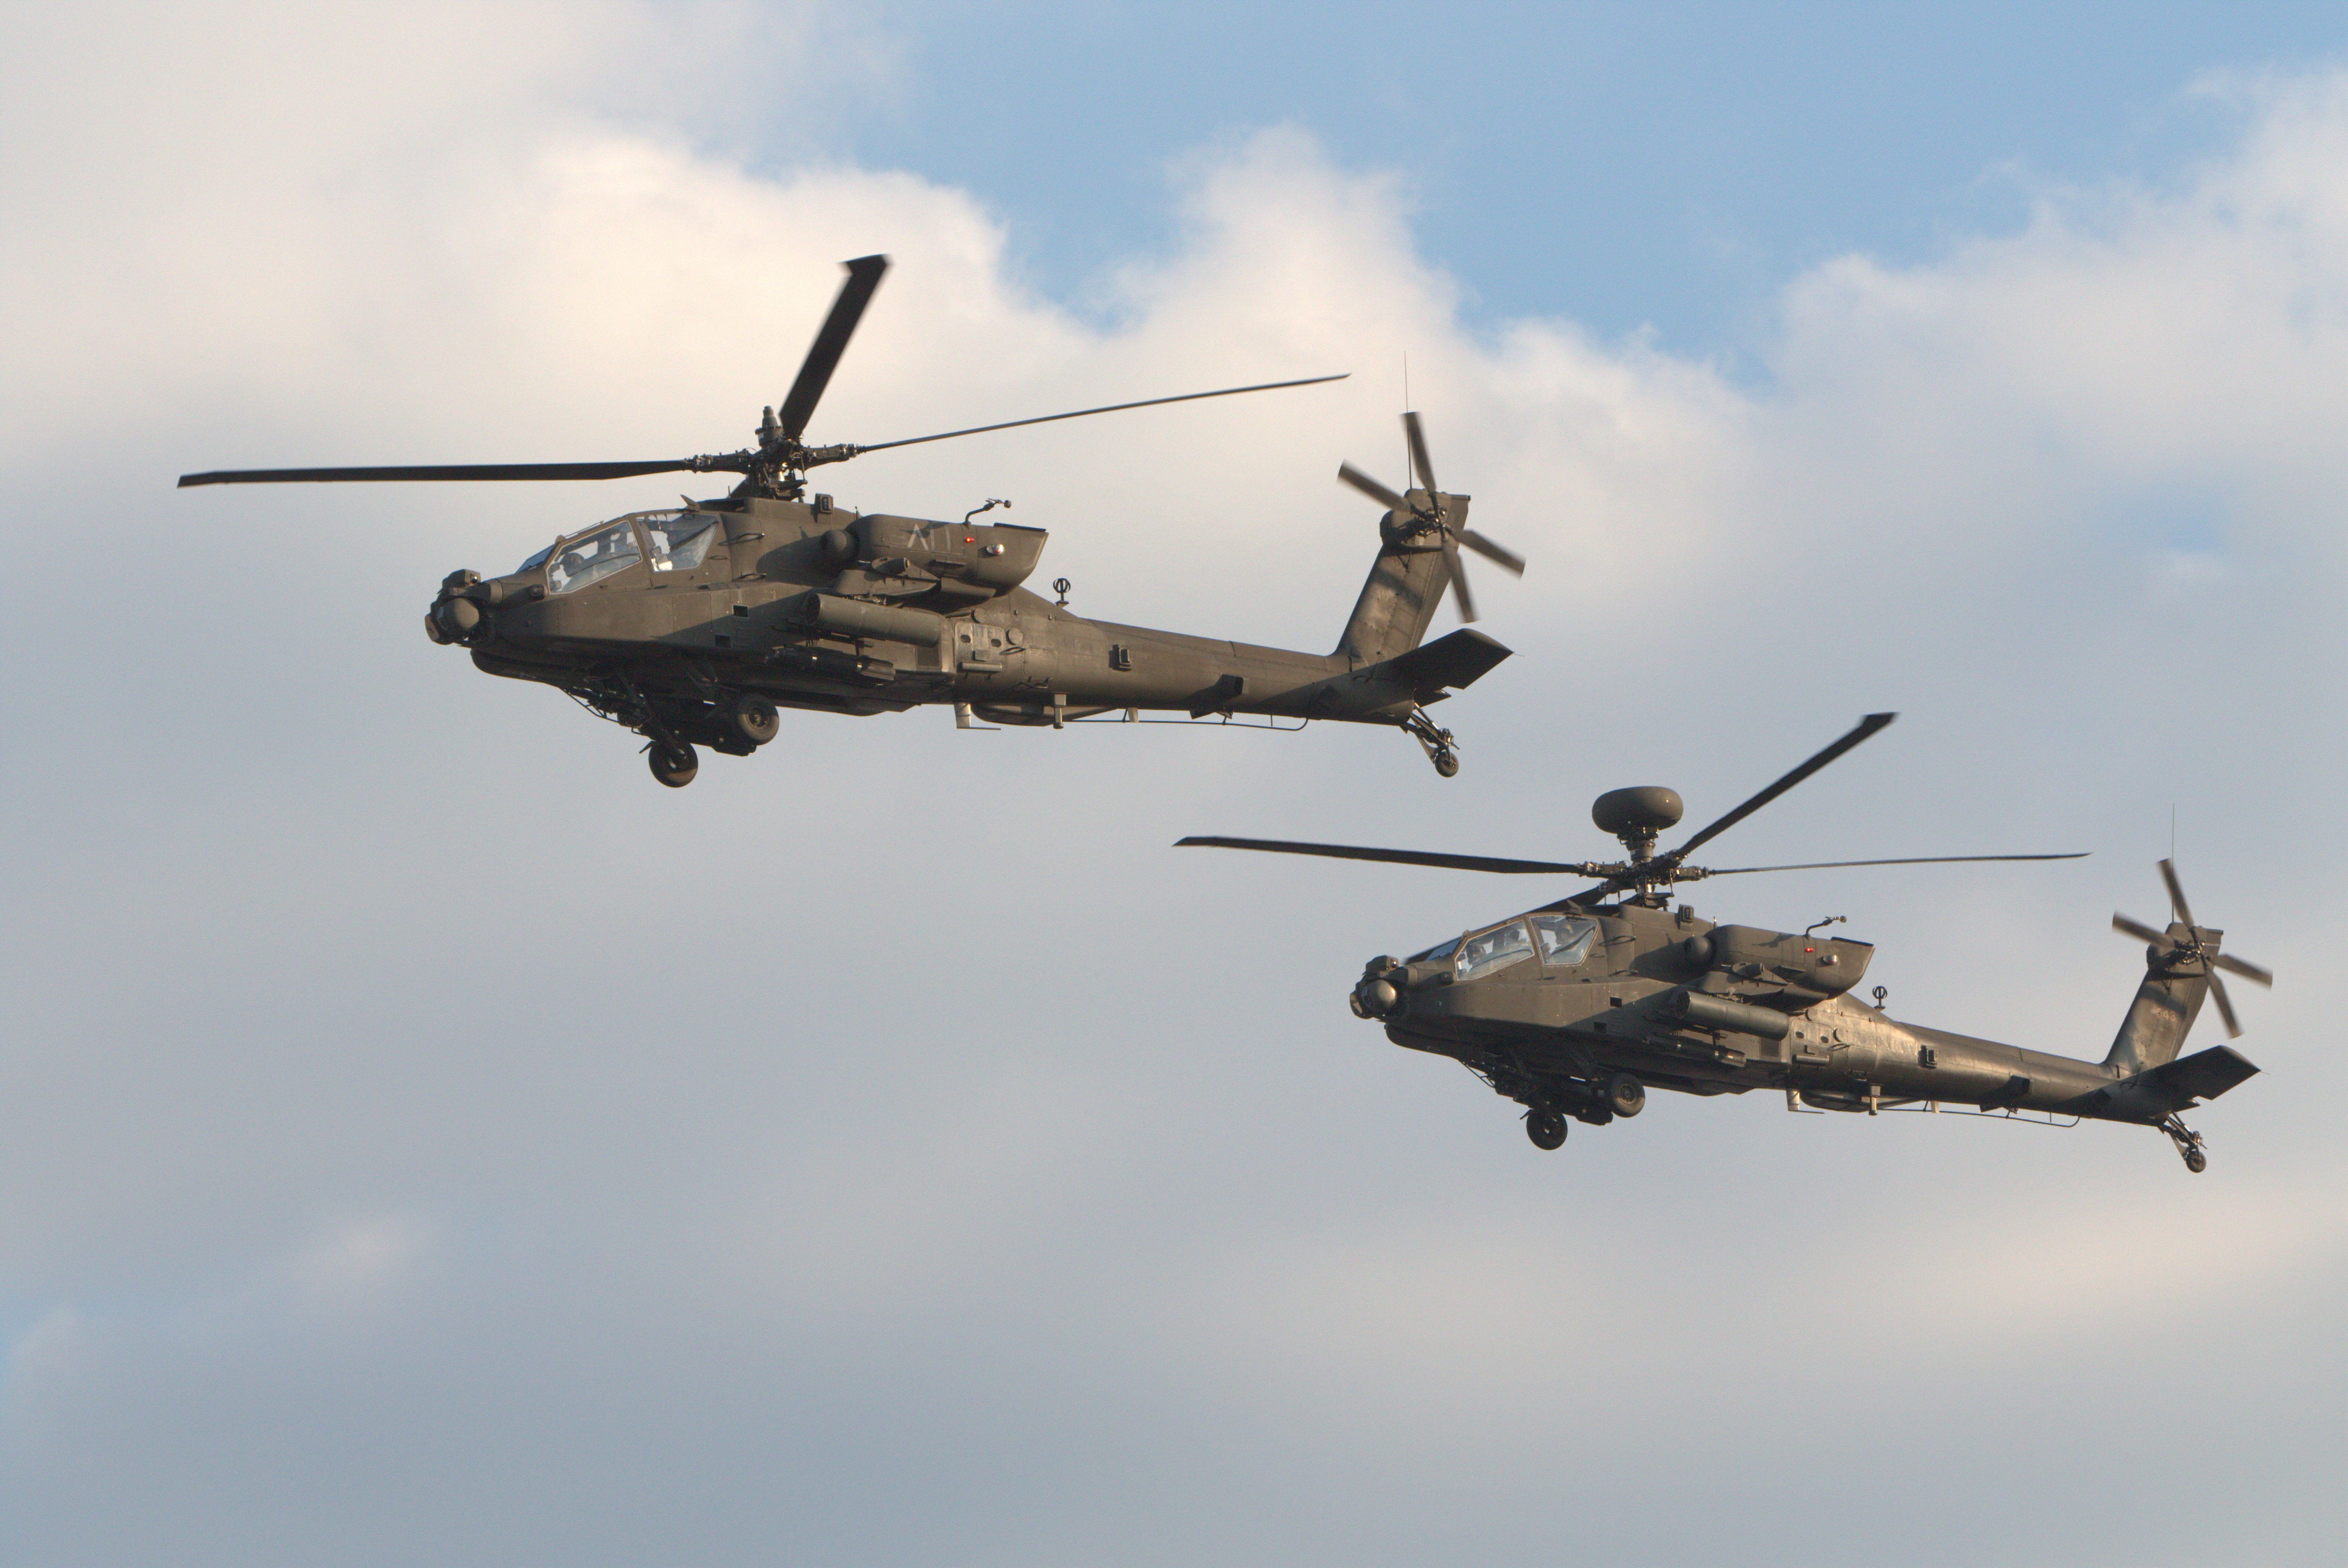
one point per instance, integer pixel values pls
(423, 1138)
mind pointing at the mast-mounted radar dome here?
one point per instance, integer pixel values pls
(1643, 809)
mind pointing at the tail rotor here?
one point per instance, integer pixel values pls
(1444, 516)
(2184, 944)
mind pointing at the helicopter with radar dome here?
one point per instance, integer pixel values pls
(1575, 1009)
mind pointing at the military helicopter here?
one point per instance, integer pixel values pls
(1577, 1008)
(692, 626)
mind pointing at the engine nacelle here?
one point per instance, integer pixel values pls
(1801, 969)
(984, 559)
(1723, 1013)
(861, 618)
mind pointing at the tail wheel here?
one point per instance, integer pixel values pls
(674, 766)
(1545, 1127)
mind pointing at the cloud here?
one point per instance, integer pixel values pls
(885, 1149)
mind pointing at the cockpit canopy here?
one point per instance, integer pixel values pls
(1562, 941)
(673, 541)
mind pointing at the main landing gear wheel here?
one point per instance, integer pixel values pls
(674, 766)
(2196, 1160)
(1446, 763)
(1545, 1127)
(755, 719)
(1625, 1096)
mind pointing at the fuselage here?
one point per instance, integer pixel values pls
(656, 616)
(1566, 995)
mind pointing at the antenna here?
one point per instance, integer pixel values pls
(1405, 409)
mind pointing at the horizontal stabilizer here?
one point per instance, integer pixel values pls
(1461, 659)
(2204, 1075)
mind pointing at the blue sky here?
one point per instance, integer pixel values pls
(424, 1139)
(1632, 167)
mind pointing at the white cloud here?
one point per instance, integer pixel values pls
(358, 1260)
(932, 1126)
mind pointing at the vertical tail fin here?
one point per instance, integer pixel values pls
(2175, 983)
(1404, 588)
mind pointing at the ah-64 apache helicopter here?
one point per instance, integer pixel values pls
(693, 625)
(1578, 1007)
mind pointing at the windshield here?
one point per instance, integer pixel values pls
(1432, 953)
(592, 557)
(535, 562)
(679, 540)
(1565, 939)
(1489, 952)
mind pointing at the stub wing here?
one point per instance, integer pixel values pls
(2204, 1075)
(1460, 659)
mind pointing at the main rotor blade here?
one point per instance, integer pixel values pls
(1109, 408)
(2248, 971)
(457, 471)
(1866, 727)
(1508, 559)
(1459, 578)
(830, 342)
(1390, 857)
(2176, 894)
(1348, 474)
(1419, 458)
(2224, 1007)
(1913, 860)
(2138, 929)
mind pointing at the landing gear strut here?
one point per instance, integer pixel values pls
(2189, 1145)
(1437, 743)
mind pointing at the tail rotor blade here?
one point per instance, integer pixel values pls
(1348, 474)
(2224, 1007)
(831, 342)
(1507, 560)
(2248, 971)
(2138, 929)
(1418, 460)
(1459, 578)
(2176, 894)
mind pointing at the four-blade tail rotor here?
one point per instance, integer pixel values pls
(1444, 516)
(2184, 944)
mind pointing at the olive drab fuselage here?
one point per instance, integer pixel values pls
(697, 624)
(661, 620)
(1546, 1008)
(1574, 1009)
